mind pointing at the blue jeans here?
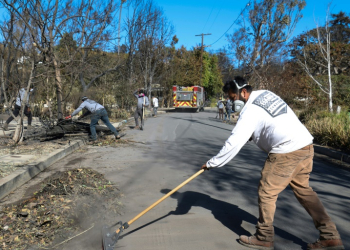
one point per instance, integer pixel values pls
(155, 110)
(100, 114)
(228, 113)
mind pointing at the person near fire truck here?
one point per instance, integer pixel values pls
(98, 113)
(155, 105)
(16, 111)
(220, 106)
(142, 103)
(228, 109)
(267, 120)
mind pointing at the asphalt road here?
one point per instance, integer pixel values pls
(215, 208)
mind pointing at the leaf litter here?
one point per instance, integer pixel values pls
(66, 204)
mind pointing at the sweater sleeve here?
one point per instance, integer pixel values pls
(135, 94)
(78, 109)
(240, 135)
(146, 101)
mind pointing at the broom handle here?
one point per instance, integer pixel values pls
(164, 197)
(143, 108)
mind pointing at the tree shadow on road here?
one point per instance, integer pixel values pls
(231, 216)
(223, 127)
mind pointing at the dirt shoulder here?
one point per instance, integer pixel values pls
(65, 204)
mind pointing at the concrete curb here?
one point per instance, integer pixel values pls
(338, 155)
(25, 173)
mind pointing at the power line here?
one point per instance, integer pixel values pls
(208, 18)
(215, 19)
(232, 23)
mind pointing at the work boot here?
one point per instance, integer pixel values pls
(5, 127)
(117, 137)
(136, 127)
(92, 139)
(335, 244)
(141, 128)
(253, 242)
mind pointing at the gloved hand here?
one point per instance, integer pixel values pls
(204, 166)
(68, 117)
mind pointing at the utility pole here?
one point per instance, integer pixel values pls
(202, 49)
(120, 17)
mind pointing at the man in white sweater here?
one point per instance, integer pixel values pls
(267, 120)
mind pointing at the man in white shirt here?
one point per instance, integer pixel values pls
(267, 120)
(155, 105)
(98, 113)
(27, 111)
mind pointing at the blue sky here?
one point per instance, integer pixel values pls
(193, 17)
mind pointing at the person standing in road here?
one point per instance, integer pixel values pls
(142, 103)
(27, 111)
(155, 105)
(98, 113)
(220, 107)
(267, 120)
(228, 107)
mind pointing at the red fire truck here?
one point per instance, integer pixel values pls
(188, 97)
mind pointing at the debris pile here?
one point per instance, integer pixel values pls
(58, 210)
(111, 142)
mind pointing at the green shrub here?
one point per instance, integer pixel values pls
(306, 114)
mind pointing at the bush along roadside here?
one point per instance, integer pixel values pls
(328, 129)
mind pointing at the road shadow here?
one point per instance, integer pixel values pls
(229, 215)
(202, 123)
(182, 110)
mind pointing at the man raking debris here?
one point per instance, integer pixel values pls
(98, 113)
(267, 120)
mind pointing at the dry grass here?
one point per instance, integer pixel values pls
(330, 129)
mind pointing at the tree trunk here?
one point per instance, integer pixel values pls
(330, 89)
(18, 131)
(150, 90)
(329, 72)
(58, 89)
(18, 136)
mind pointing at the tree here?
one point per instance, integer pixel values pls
(212, 81)
(225, 65)
(134, 24)
(340, 27)
(48, 21)
(322, 47)
(15, 57)
(265, 28)
(157, 34)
